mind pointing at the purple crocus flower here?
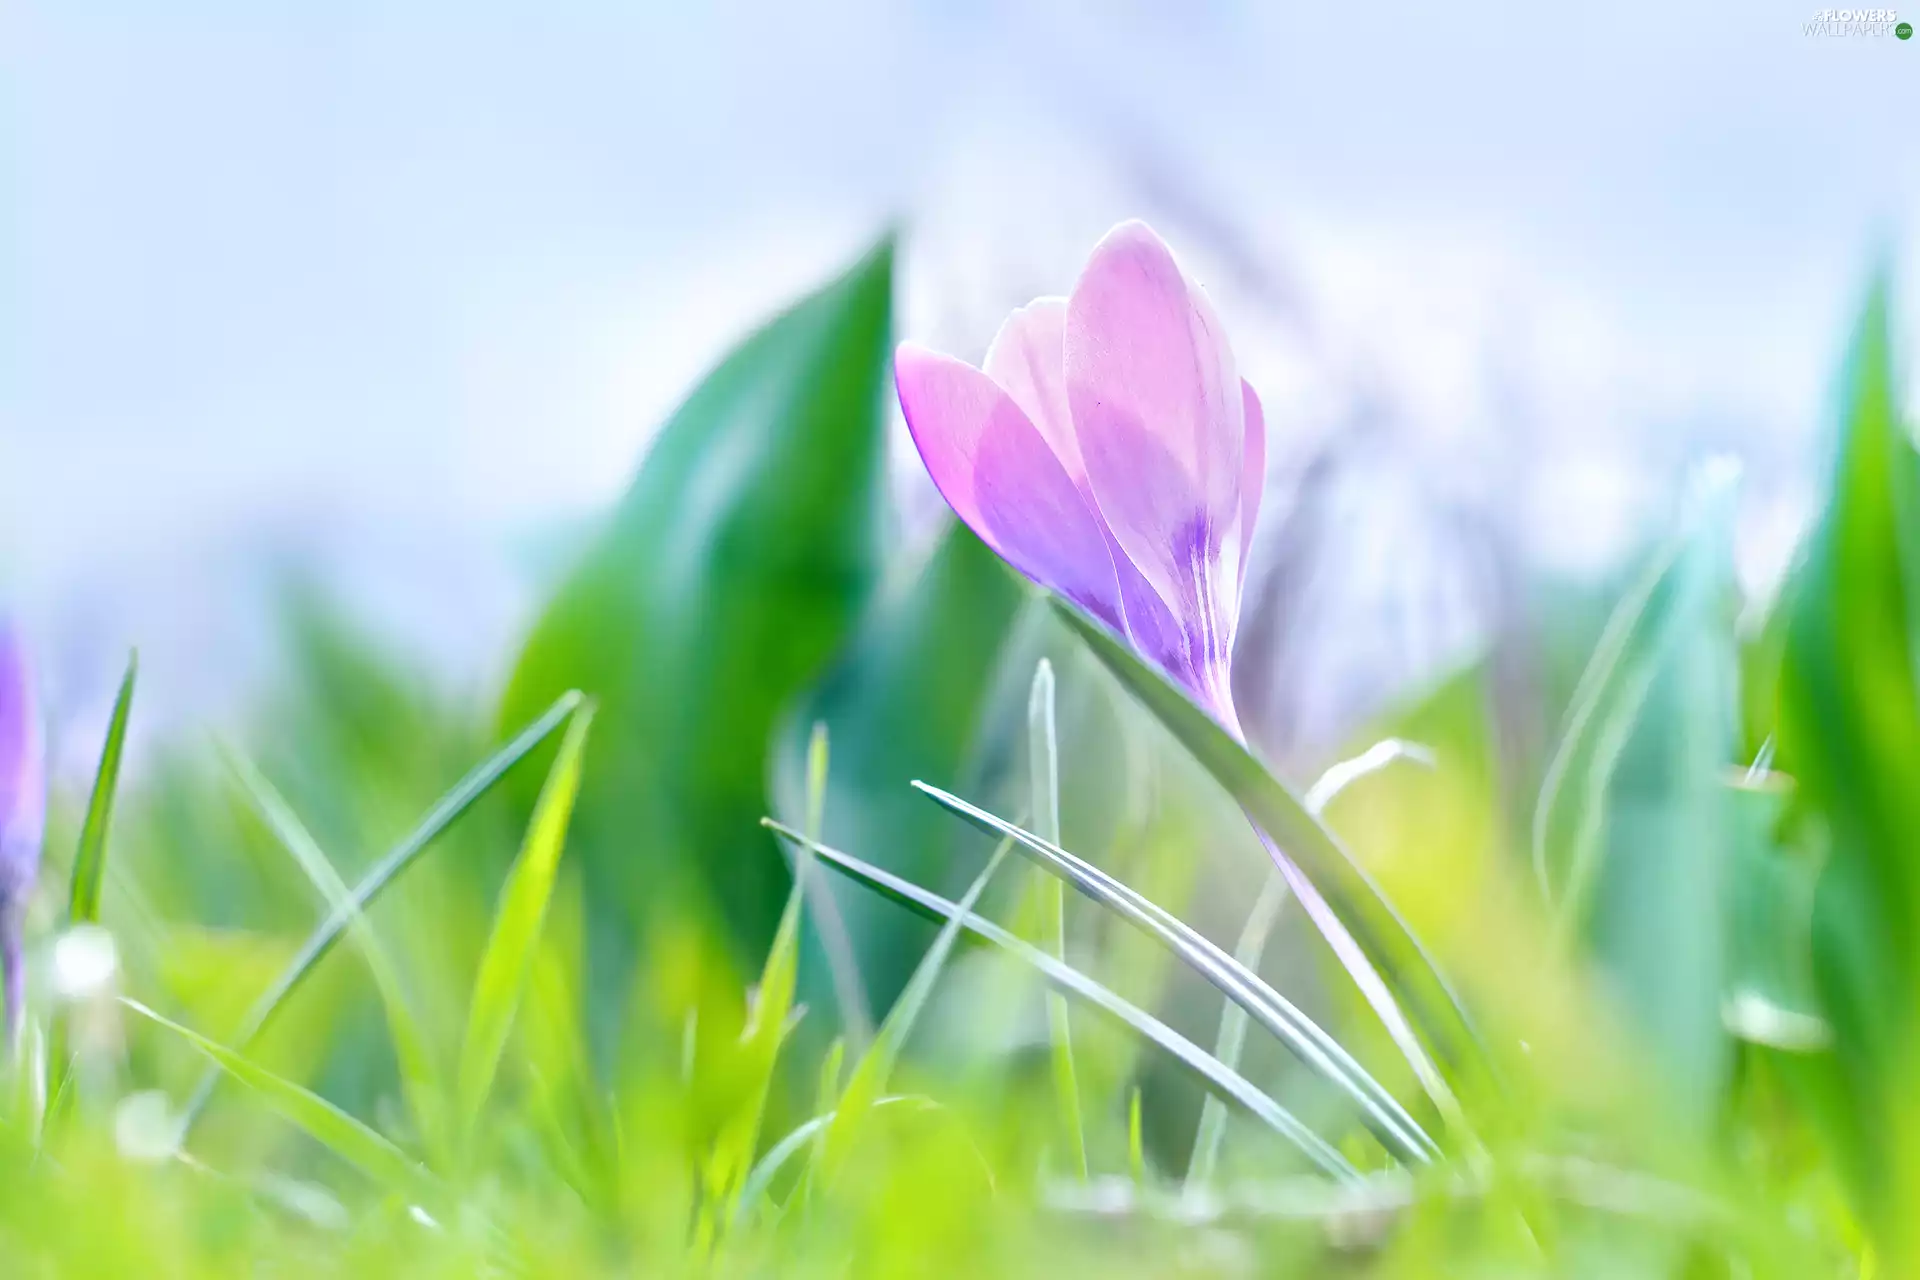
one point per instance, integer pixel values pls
(23, 811)
(1110, 451)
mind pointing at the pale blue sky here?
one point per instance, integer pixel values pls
(405, 281)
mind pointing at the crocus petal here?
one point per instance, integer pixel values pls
(1028, 359)
(998, 474)
(22, 787)
(1147, 363)
(23, 807)
(1160, 418)
(1255, 484)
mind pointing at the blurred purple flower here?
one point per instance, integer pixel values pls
(1110, 451)
(23, 811)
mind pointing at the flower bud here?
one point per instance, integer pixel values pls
(23, 812)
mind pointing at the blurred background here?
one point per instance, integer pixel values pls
(391, 297)
(345, 362)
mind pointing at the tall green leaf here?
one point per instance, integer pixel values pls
(1632, 826)
(728, 575)
(1849, 731)
(508, 957)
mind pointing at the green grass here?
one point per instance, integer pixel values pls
(605, 1004)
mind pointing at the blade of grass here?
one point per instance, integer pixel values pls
(31, 1103)
(1605, 705)
(89, 866)
(1382, 1114)
(1197, 1061)
(875, 1068)
(830, 1068)
(90, 858)
(848, 990)
(508, 955)
(730, 1162)
(553, 1041)
(1231, 1039)
(350, 1139)
(1252, 945)
(1372, 941)
(1043, 759)
(419, 1077)
(809, 1131)
(463, 795)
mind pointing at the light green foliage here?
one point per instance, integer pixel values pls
(1630, 835)
(1688, 1057)
(723, 583)
(1849, 734)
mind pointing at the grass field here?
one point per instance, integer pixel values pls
(801, 907)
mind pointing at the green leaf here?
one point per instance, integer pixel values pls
(90, 865)
(1631, 828)
(727, 577)
(875, 1069)
(509, 953)
(1849, 730)
(910, 700)
(444, 814)
(90, 859)
(418, 1075)
(1388, 962)
(1382, 1114)
(1211, 1073)
(346, 1137)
